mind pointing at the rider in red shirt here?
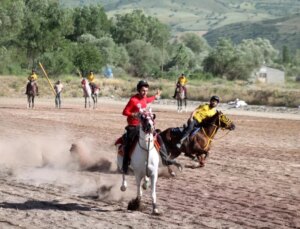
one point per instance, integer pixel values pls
(131, 110)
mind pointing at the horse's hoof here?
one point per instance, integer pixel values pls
(123, 188)
(173, 174)
(155, 212)
(179, 167)
(145, 186)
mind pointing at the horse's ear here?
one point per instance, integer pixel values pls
(153, 116)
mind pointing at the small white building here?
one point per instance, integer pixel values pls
(270, 75)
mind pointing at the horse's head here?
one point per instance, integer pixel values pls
(224, 121)
(147, 121)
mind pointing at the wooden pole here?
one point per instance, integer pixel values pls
(79, 72)
(51, 86)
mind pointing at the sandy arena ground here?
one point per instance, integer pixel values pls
(251, 179)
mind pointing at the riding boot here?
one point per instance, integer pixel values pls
(126, 159)
(186, 132)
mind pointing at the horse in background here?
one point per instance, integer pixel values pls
(181, 98)
(198, 144)
(95, 93)
(31, 92)
(144, 160)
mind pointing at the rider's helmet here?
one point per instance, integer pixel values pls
(216, 98)
(142, 83)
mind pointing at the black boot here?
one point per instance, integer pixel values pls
(186, 132)
(126, 159)
(185, 136)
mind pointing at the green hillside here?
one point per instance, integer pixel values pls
(281, 31)
(198, 15)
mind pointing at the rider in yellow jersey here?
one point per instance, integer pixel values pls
(91, 77)
(33, 76)
(181, 82)
(198, 115)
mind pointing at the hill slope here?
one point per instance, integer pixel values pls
(282, 31)
(235, 19)
(198, 15)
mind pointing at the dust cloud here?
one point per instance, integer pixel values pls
(89, 172)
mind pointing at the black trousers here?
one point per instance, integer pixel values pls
(131, 133)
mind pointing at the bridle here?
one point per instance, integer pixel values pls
(221, 119)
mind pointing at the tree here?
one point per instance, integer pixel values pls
(285, 55)
(137, 26)
(144, 58)
(87, 57)
(11, 17)
(196, 43)
(44, 28)
(237, 62)
(90, 20)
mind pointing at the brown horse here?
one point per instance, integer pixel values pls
(31, 91)
(181, 97)
(198, 144)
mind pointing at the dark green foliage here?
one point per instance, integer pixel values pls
(90, 20)
(138, 26)
(87, 58)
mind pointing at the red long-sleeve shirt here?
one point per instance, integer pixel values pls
(133, 107)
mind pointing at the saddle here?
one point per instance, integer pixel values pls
(120, 144)
(178, 131)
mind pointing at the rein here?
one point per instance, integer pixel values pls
(210, 138)
(147, 150)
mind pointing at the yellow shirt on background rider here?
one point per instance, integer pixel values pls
(204, 111)
(33, 77)
(182, 80)
(91, 77)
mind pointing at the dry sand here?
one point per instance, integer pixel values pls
(251, 179)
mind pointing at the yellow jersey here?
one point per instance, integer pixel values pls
(33, 77)
(182, 80)
(91, 77)
(204, 111)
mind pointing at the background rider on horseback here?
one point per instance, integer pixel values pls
(198, 115)
(33, 76)
(181, 82)
(131, 110)
(91, 79)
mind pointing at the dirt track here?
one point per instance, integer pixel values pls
(251, 179)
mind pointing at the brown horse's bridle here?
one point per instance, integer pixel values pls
(210, 138)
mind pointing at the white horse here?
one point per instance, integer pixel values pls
(144, 160)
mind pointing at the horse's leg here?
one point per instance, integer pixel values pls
(178, 105)
(85, 101)
(185, 104)
(146, 183)
(28, 101)
(201, 158)
(124, 183)
(138, 179)
(32, 102)
(153, 194)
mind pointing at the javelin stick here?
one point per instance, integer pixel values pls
(79, 73)
(51, 86)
